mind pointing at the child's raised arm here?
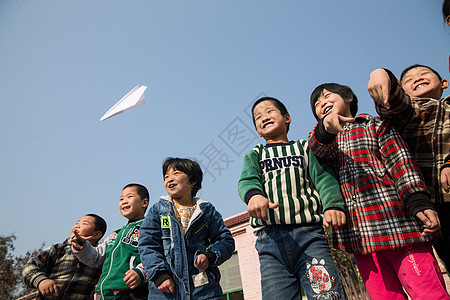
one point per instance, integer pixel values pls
(379, 87)
(88, 254)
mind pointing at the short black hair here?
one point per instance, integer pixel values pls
(188, 166)
(446, 9)
(99, 223)
(342, 90)
(141, 190)
(278, 104)
(419, 66)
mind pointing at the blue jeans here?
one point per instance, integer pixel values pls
(291, 255)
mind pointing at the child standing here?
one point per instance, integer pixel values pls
(424, 122)
(383, 191)
(183, 239)
(281, 183)
(58, 274)
(123, 276)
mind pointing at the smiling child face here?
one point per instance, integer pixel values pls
(178, 186)
(421, 82)
(329, 102)
(131, 204)
(270, 123)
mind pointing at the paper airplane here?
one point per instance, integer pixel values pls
(134, 98)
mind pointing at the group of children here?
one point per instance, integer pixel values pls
(172, 252)
(380, 184)
(386, 197)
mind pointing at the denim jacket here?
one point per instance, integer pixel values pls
(163, 247)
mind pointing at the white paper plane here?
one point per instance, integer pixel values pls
(134, 98)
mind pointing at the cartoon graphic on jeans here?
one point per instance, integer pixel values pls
(321, 281)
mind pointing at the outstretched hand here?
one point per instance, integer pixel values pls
(78, 240)
(258, 205)
(379, 87)
(430, 221)
(334, 123)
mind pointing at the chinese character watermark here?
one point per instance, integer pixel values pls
(232, 142)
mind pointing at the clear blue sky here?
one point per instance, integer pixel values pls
(63, 64)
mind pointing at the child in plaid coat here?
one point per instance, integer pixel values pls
(390, 219)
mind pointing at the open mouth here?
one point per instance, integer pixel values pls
(420, 85)
(327, 110)
(172, 185)
(124, 208)
(267, 124)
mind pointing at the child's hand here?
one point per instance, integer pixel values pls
(132, 279)
(334, 123)
(333, 217)
(48, 287)
(431, 222)
(379, 87)
(78, 241)
(445, 179)
(202, 262)
(257, 207)
(167, 286)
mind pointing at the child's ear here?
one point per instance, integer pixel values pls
(444, 83)
(288, 118)
(145, 202)
(447, 20)
(97, 235)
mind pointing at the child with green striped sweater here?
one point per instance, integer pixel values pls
(289, 195)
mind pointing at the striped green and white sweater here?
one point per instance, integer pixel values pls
(291, 175)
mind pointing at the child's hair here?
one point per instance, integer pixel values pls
(278, 104)
(419, 66)
(99, 223)
(342, 90)
(446, 9)
(141, 190)
(190, 167)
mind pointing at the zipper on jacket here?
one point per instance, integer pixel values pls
(112, 259)
(200, 229)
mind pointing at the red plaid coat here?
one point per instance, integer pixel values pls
(377, 174)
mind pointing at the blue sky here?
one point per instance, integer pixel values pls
(63, 64)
